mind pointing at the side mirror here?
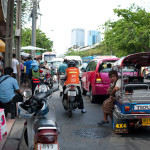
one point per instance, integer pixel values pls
(27, 93)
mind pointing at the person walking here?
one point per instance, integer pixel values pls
(22, 79)
(8, 87)
(15, 66)
(27, 65)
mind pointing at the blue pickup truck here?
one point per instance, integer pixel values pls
(132, 105)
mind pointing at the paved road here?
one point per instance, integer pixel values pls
(81, 132)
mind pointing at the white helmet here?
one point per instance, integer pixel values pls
(23, 111)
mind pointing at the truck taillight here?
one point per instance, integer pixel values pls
(98, 78)
(127, 108)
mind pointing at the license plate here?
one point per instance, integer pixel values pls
(142, 107)
(47, 146)
(145, 121)
(71, 93)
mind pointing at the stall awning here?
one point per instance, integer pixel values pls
(2, 46)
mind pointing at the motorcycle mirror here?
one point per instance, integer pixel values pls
(27, 93)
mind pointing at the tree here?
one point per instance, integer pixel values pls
(25, 11)
(41, 40)
(129, 34)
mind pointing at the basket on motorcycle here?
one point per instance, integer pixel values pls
(25, 110)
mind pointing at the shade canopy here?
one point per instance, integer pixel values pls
(2, 46)
(25, 54)
(32, 48)
(142, 59)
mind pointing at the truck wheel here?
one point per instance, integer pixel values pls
(92, 97)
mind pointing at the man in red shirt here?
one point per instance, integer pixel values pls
(73, 78)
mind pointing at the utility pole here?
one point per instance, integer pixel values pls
(34, 16)
(18, 33)
(9, 33)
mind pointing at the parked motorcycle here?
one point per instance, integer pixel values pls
(70, 98)
(41, 130)
(43, 86)
(48, 77)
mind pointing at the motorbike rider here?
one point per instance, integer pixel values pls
(61, 72)
(34, 73)
(72, 73)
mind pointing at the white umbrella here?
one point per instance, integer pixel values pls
(25, 54)
(32, 48)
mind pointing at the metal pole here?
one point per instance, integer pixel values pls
(34, 15)
(9, 33)
(18, 34)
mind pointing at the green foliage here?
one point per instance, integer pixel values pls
(99, 50)
(130, 34)
(25, 11)
(41, 40)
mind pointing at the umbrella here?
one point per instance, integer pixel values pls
(2, 46)
(24, 54)
(32, 48)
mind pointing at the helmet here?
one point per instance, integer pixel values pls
(24, 112)
(72, 64)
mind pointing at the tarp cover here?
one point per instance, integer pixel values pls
(2, 46)
(142, 59)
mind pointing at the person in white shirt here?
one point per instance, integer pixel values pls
(15, 66)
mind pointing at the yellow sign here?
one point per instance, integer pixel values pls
(145, 121)
(2, 46)
(121, 126)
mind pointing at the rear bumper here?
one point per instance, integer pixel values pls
(100, 89)
(120, 115)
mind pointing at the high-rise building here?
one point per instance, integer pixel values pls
(93, 37)
(77, 38)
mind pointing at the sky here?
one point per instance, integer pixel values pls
(59, 17)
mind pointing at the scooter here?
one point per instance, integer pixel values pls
(43, 86)
(70, 98)
(41, 130)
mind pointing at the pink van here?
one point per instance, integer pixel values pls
(95, 78)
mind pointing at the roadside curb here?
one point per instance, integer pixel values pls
(14, 138)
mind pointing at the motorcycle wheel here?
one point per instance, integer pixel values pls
(51, 83)
(25, 136)
(70, 110)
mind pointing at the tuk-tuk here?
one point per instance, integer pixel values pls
(132, 105)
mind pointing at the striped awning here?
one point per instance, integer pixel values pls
(2, 46)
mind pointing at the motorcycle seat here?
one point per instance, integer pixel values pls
(44, 124)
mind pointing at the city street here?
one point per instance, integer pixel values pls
(82, 132)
